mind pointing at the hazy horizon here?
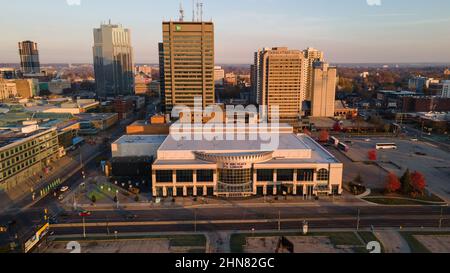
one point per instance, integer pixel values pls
(349, 32)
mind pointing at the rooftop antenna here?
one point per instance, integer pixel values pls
(193, 10)
(198, 11)
(181, 12)
(201, 12)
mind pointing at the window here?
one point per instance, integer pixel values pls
(265, 175)
(285, 175)
(323, 175)
(185, 176)
(305, 175)
(205, 176)
(164, 177)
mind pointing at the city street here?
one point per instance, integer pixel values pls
(27, 214)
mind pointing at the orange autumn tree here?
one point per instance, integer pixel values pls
(393, 183)
(418, 182)
(324, 136)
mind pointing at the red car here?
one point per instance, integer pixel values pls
(85, 214)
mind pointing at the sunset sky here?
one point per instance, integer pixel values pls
(347, 30)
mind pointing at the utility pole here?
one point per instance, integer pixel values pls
(358, 219)
(279, 220)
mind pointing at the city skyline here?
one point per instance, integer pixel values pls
(331, 30)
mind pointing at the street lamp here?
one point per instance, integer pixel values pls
(358, 219)
(84, 228)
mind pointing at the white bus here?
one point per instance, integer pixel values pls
(386, 146)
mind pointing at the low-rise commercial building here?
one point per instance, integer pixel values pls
(243, 168)
(137, 146)
(25, 152)
(101, 121)
(142, 127)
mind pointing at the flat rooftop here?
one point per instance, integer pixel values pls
(10, 136)
(291, 149)
(286, 142)
(140, 139)
(95, 116)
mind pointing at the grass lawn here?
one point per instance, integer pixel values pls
(97, 193)
(111, 194)
(414, 244)
(380, 194)
(394, 201)
(237, 241)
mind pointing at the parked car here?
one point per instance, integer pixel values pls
(64, 189)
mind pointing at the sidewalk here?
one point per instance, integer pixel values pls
(209, 203)
(64, 168)
(393, 242)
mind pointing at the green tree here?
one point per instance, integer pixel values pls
(406, 181)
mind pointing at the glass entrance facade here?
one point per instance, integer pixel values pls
(235, 181)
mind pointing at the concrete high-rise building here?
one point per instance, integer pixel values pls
(187, 63)
(313, 55)
(324, 90)
(281, 81)
(257, 75)
(446, 89)
(29, 57)
(219, 75)
(113, 61)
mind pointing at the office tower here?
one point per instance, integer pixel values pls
(187, 63)
(29, 57)
(445, 89)
(219, 75)
(113, 61)
(324, 90)
(313, 55)
(253, 84)
(257, 75)
(281, 81)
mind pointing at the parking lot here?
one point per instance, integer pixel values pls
(414, 155)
